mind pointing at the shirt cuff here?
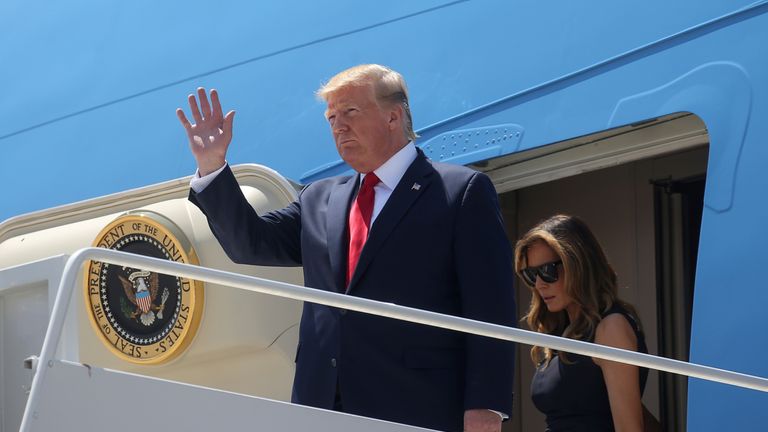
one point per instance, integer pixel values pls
(198, 184)
(503, 416)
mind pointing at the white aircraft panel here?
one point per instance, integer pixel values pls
(76, 397)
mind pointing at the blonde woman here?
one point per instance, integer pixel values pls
(575, 296)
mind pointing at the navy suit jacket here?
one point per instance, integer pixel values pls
(440, 246)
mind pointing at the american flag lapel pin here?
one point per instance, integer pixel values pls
(416, 186)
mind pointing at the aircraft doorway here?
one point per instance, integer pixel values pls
(678, 205)
(646, 212)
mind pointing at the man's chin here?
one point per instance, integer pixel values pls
(353, 162)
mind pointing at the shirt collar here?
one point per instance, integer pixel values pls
(391, 171)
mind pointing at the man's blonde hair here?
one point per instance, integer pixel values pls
(388, 85)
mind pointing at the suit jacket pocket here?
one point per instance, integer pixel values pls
(433, 358)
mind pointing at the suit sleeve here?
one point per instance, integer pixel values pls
(272, 239)
(483, 258)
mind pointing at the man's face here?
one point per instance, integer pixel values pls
(364, 132)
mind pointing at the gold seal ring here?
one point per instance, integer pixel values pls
(143, 317)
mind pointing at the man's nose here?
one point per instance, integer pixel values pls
(339, 126)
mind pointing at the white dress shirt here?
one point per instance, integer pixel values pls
(199, 183)
(390, 173)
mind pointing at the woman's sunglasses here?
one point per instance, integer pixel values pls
(547, 272)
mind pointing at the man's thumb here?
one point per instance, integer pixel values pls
(228, 119)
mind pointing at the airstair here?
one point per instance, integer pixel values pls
(67, 395)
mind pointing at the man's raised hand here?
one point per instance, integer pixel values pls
(211, 134)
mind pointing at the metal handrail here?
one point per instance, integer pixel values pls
(286, 290)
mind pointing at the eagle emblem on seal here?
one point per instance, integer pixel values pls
(141, 289)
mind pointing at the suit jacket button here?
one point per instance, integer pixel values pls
(342, 312)
(333, 362)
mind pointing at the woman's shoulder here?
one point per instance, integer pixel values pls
(615, 330)
(619, 309)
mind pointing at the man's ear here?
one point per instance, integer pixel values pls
(395, 119)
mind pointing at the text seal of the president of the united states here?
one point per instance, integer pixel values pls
(142, 316)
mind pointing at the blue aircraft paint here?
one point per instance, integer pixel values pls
(90, 90)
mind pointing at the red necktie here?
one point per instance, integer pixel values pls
(360, 221)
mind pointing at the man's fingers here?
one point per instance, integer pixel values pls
(205, 107)
(217, 112)
(195, 110)
(183, 118)
(481, 420)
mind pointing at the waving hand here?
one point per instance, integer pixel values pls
(210, 135)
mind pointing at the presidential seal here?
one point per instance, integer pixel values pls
(143, 317)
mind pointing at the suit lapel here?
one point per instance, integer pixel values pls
(414, 182)
(336, 225)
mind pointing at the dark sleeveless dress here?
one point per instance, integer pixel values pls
(573, 396)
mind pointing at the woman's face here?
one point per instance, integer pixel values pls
(553, 293)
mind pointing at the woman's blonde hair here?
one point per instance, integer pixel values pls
(588, 279)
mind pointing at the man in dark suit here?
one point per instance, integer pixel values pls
(403, 230)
